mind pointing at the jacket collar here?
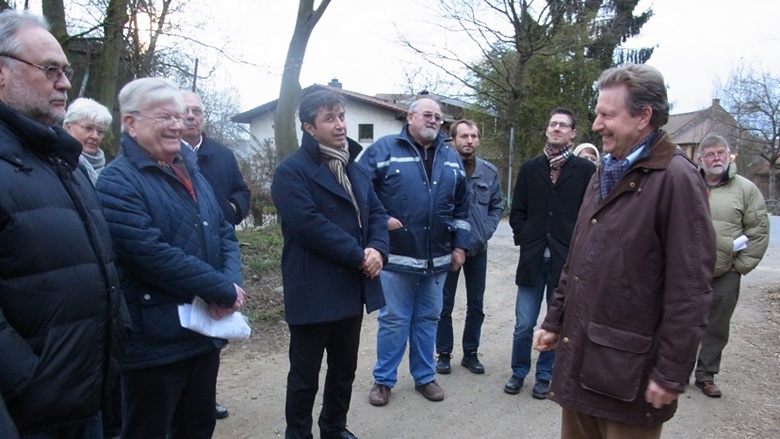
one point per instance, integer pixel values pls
(440, 138)
(140, 159)
(658, 154)
(39, 138)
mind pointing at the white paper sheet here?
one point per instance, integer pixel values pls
(195, 317)
(740, 243)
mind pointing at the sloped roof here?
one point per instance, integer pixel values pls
(690, 128)
(270, 107)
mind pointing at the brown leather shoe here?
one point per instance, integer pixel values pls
(709, 388)
(379, 395)
(431, 391)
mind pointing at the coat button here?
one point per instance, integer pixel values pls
(648, 414)
(205, 223)
(632, 185)
(565, 340)
(147, 297)
(593, 221)
(552, 395)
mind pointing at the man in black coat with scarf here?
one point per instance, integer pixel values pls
(335, 244)
(547, 197)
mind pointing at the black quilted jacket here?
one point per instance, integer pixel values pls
(59, 290)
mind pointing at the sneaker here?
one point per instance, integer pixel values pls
(541, 389)
(709, 388)
(471, 362)
(514, 385)
(431, 391)
(443, 363)
(379, 395)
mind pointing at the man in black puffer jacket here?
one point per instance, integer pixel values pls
(59, 290)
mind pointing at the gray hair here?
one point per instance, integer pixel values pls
(712, 140)
(143, 93)
(88, 109)
(414, 105)
(11, 22)
(645, 86)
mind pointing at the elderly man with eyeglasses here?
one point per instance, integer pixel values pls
(547, 196)
(422, 185)
(59, 289)
(738, 214)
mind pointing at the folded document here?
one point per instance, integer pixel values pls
(195, 317)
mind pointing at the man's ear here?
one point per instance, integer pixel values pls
(309, 128)
(644, 117)
(129, 122)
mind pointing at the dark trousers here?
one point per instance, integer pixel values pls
(307, 344)
(112, 410)
(171, 401)
(92, 428)
(725, 294)
(474, 270)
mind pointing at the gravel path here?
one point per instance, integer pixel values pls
(252, 377)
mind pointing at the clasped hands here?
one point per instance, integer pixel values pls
(217, 312)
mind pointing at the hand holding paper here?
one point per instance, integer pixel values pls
(196, 317)
(740, 243)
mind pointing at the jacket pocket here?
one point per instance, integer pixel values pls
(614, 360)
(160, 317)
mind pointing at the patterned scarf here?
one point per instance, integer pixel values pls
(336, 159)
(615, 168)
(557, 158)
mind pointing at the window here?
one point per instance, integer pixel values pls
(366, 132)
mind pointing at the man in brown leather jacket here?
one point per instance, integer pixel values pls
(631, 305)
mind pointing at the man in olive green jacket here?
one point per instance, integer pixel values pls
(739, 218)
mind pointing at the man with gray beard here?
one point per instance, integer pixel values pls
(422, 185)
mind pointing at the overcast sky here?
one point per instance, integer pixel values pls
(699, 42)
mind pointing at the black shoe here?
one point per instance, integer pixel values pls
(513, 386)
(471, 362)
(221, 412)
(346, 434)
(541, 389)
(443, 363)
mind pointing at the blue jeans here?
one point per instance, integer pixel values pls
(529, 301)
(474, 271)
(413, 305)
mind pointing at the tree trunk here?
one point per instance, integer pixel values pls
(285, 138)
(54, 11)
(107, 79)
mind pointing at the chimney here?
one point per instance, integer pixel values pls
(716, 102)
(335, 83)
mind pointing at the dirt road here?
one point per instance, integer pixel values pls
(252, 376)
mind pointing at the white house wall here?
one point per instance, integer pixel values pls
(357, 113)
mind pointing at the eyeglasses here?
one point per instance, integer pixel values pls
(556, 123)
(428, 115)
(197, 112)
(165, 120)
(93, 129)
(53, 73)
(719, 154)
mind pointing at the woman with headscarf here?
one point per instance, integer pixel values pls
(173, 244)
(88, 121)
(588, 151)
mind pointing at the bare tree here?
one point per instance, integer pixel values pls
(753, 98)
(285, 136)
